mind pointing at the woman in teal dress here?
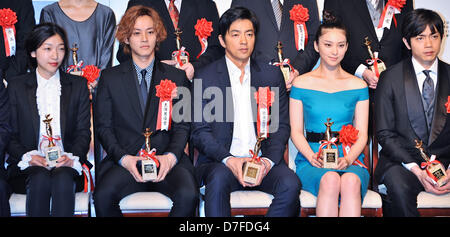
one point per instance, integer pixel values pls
(330, 92)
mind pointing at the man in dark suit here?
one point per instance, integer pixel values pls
(5, 131)
(277, 26)
(411, 103)
(186, 12)
(126, 105)
(16, 64)
(361, 17)
(224, 141)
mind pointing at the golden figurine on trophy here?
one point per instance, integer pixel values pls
(434, 168)
(252, 169)
(284, 67)
(329, 155)
(181, 56)
(148, 167)
(52, 151)
(376, 65)
(74, 68)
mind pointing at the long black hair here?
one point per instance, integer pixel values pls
(330, 21)
(39, 35)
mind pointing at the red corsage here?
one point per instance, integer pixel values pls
(203, 30)
(300, 15)
(392, 7)
(264, 98)
(166, 91)
(91, 73)
(447, 105)
(7, 20)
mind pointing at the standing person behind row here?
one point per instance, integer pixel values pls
(183, 14)
(274, 17)
(47, 90)
(5, 130)
(14, 64)
(126, 105)
(329, 92)
(90, 28)
(412, 103)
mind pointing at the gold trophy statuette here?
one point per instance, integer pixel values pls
(184, 58)
(329, 155)
(252, 169)
(148, 167)
(435, 170)
(285, 69)
(74, 50)
(380, 64)
(52, 151)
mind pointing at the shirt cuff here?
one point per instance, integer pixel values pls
(224, 161)
(120, 161)
(360, 70)
(271, 162)
(409, 166)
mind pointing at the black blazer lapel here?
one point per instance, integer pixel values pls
(254, 85)
(129, 84)
(66, 91)
(414, 102)
(440, 113)
(188, 8)
(152, 104)
(268, 6)
(363, 12)
(31, 95)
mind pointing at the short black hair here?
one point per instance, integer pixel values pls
(330, 21)
(38, 35)
(236, 13)
(416, 22)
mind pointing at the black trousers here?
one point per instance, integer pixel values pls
(402, 190)
(116, 183)
(42, 185)
(5, 192)
(281, 182)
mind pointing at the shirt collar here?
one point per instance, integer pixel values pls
(418, 68)
(234, 72)
(52, 80)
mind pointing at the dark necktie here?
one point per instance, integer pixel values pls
(144, 90)
(174, 14)
(278, 11)
(428, 97)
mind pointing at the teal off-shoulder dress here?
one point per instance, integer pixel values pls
(317, 107)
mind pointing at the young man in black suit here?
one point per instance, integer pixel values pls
(412, 103)
(5, 131)
(186, 12)
(224, 145)
(126, 105)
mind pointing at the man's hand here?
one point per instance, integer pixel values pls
(371, 78)
(426, 181)
(292, 75)
(166, 163)
(38, 161)
(235, 165)
(187, 68)
(446, 188)
(129, 163)
(265, 168)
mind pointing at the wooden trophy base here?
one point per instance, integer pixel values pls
(330, 158)
(52, 154)
(286, 70)
(251, 172)
(438, 171)
(149, 170)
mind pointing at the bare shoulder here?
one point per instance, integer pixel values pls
(303, 81)
(356, 82)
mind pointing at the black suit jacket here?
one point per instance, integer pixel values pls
(213, 139)
(269, 35)
(356, 18)
(400, 118)
(191, 11)
(5, 128)
(120, 121)
(16, 65)
(74, 116)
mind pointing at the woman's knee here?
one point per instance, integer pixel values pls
(350, 183)
(330, 182)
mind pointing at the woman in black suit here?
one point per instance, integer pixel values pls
(33, 96)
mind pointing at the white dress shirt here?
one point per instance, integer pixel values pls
(418, 69)
(177, 4)
(244, 136)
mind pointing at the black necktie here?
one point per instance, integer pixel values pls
(428, 97)
(144, 90)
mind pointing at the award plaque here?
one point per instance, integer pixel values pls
(76, 70)
(252, 169)
(148, 167)
(329, 155)
(434, 168)
(52, 151)
(376, 65)
(285, 69)
(181, 56)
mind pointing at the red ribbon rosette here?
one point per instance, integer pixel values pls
(300, 15)
(151, 155)
(447, 105)
(255, 157)
(264, 98)
(348, 136)
(91, 73)
(286, 62)
(203, 30)
(166, 91)
(8, 19)
(389, 13)
(424, 165)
